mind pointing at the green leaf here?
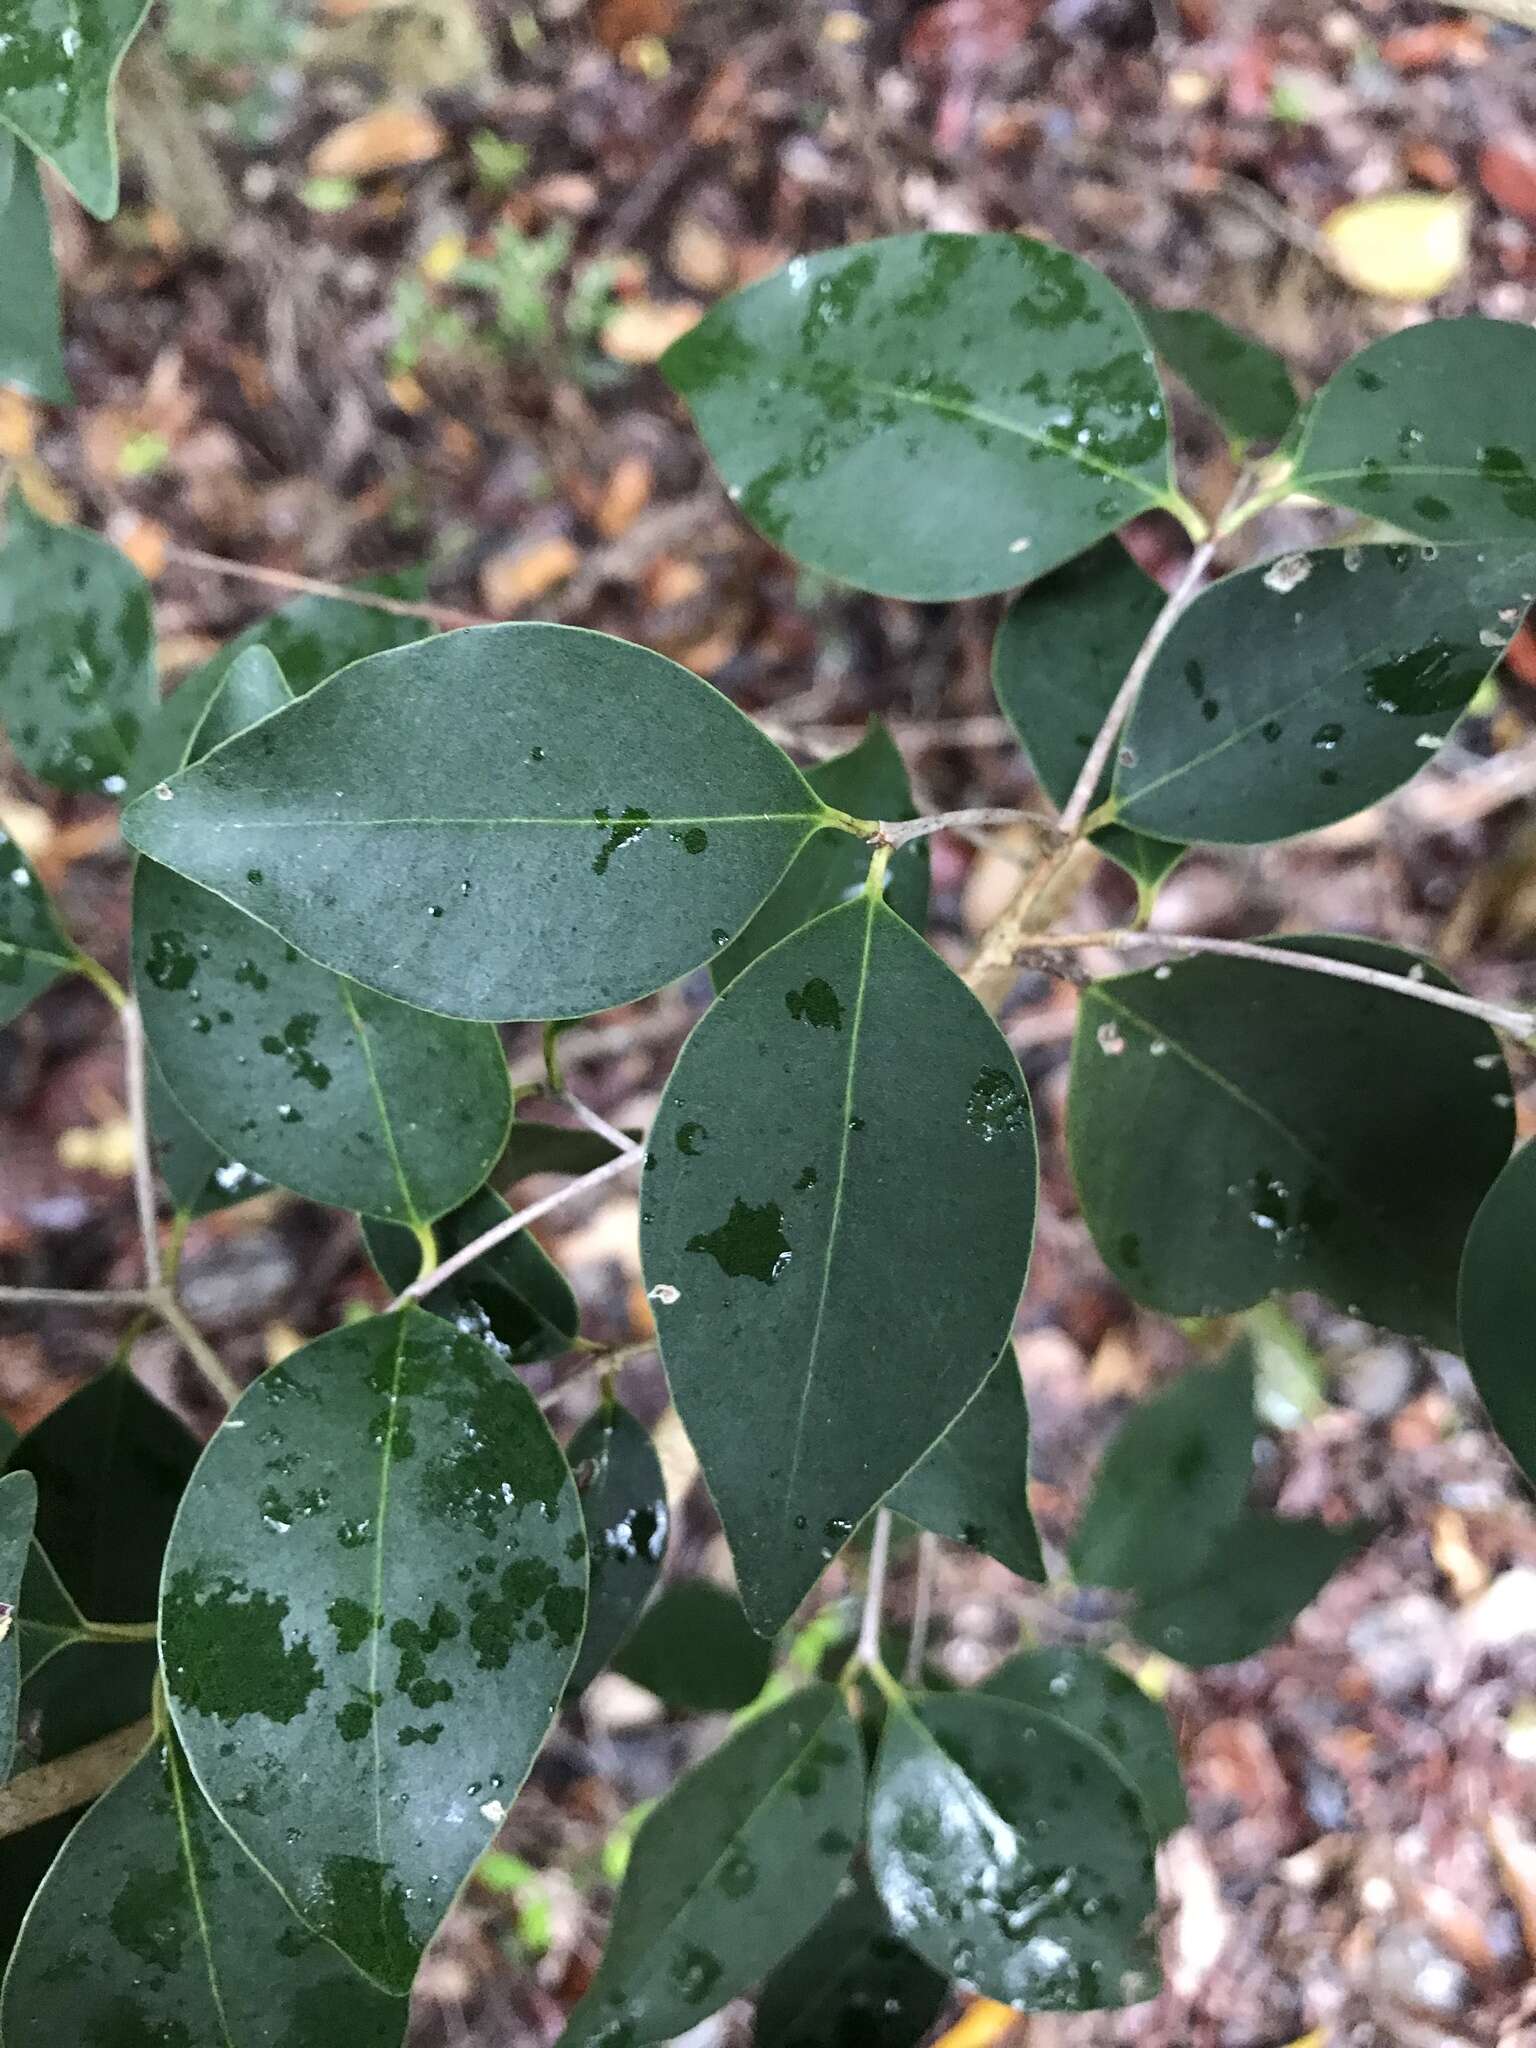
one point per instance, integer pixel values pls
(930, 416)
(1060, 656)
(1293, 694)
(18, 1511)
(534, 1147)
(624, 1507)
(1247, 1592)
(1236, 1128)
(386, 822)
(31, 341)
(869, 781)
(77, 677)
(696, 1651)
(58, 65)
(315, 636)
(153, 1927)
(1175, 1475)
(1245, 385)
(1419, 431)
(850, 1984)
(373, 1597)
(1104, 1703)
(253, 687)
(312, 1081)
(198, 1176)
(733, 1867)
(514, 1297)
(1498, 1307)
(34, 947)
(111, 1465)
(168, 730)
(845, 1113)
(1011, 1852)
(974, 1484)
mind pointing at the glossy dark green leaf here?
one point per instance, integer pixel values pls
(869, 781)
(77, 678)
(1236, 1128)
(1297, 692)
(18, 1511)
(514, 1297)
(199, 1177)
(154, 1927)
(835, 1223)
(734, 1866)
(253, 687)
(1245, 385)
(624, 1506)
(534, 1147)
(850, 1984)
(31, 341)
(58, 64)
(1012, 1853)
(1058, 661)
(168, 730)
(694, 1648)
(1103, 1702)
(315, 636)
(34, 948)
(974, 1484)
(1176, 1473)
(312, 1081)
(1498, 1307)
(526, 820)
(111, 1465)
(1247, 1592)
(930, 416)
(373, 1596)
(1419, 430)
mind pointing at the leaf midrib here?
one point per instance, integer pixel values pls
(318, 821)
(360, 1031)
(376, 1634)
(195, 1891)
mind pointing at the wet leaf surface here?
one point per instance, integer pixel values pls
(1012, 1853)
(1243, 384)
(694, 1648)
(513, 1297)
(312, 1081)
(199, 1177)
(34, 948)
(994, 392)
(850, 1984)
(829, 1321)
(974, 1484)
(545, 772)
(734, 1866)
(58, 62)
(624, 1507)
(18, 1510)
(31, 344)
(1247, 1591)
(1292, 694)
(1498, 1307)
(1236, 1128)
(153, 1926)
(373, 1597)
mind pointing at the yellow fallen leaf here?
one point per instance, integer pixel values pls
(104, 1148)
(443, 258)
(643, 330)
(388, 139)
(18, 425)
(524, 574)
(1406, 245)
(982, 2025)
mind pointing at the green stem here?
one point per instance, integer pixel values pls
(108, 983)
(197, 1347)
(1190, 517)
(426, 1239)
(121, 1631)
(874, 881)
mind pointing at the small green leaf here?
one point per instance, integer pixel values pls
(58, 66)
(18, 1511)
(1236, 1128)
(694, 1649)
(1175, 1475)
(387, 822)
(1247, 1592)
(1012, 1853)
(153, 1927)
(846, 1112)
(111, 1465)
(198, 1176)
(624, 1506)
(77, 678)
(253, 687)
(1498, 1307)
(1060, 656)
(930, 416)
(31, 341)
(1292, 694)
(1103, 1702)
(312, 1081)
(850, 1984)
(974, 1484)
(168, 730)
(34, 948)
(373, 1596)
(513, 1297)
(534, 1147)
(1418, 431)
(1243, 384)
(314, 637)
(735, 1865)
(869, 781)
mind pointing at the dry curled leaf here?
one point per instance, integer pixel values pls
(388, 139)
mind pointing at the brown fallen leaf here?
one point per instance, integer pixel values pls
(389, 138)
(526, 573)
(618, 22)
(1507, 168)
(625, 496)
(643, 330)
